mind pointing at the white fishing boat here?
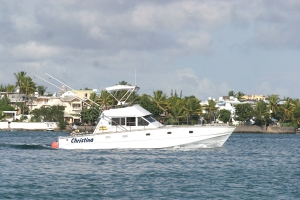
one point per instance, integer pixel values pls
(132, 127)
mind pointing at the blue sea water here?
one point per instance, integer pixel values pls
(248, 166)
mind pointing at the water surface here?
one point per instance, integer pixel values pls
(248, 166)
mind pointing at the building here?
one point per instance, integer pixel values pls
(254, 97)
(73, 101)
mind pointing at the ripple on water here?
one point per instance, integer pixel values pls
(248, 166)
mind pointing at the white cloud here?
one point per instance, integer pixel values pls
(155, 37)
(34, 51)
(194, 42)
(178, 14)
(186, 80)
(265, 88)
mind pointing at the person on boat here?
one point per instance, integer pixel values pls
(74, 127)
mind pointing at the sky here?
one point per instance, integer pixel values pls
(204, 48)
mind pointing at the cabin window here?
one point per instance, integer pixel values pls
(190, 131)
(118, 121)
(169, 132)
(130, 121)
(147, 134)
(115, 121)
(142, 122)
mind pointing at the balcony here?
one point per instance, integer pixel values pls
(76, 108)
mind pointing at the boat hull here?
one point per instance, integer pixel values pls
(167, 137)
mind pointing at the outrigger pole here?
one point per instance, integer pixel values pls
(84, 100)
(70, 88)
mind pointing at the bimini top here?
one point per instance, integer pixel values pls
(121, 87)
(132, 111)
(117, 89)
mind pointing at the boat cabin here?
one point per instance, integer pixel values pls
(128, 118)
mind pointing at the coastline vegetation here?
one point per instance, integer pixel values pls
(174, 109)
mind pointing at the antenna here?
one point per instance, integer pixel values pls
(135, 77)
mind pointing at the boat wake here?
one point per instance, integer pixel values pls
(25, 146)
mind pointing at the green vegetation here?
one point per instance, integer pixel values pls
(5, 106)
(49, 114)
(224, 115)
(173, 109)
(244, 112)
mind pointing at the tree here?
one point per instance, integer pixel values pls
(5, 104)
(296, 116)
(243, 112)
(261, 114)
(273, 104)
(224, 115)
(177, 111)
(159, 98)
(2, 88)
(53, 113)
(288, 111)
(191, 106)
(210, 108)
(239, 95)
(149, 105)
(231, 93)
(28, 87)
(90, 115)
(20, 76)
(105, 99)
(41, 90)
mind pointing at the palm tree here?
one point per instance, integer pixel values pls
(2, 88)
(160, 99)
(93, 96)
(261, 113)
(296, 113)
(288, 109)
(191, 106)
(273, 104)
(231, 93)
(210, 108)
(20, 76)
(239, 95)
(105, 99)
(10, 88)
(41, 90)
(28, 87)
(177, 111)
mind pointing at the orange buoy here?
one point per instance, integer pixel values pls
(54, 145)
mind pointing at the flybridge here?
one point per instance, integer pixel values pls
(114, 90)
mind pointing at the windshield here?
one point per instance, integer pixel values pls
(149, 118)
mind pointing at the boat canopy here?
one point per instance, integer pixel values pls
(117, 89)
(121, 87)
